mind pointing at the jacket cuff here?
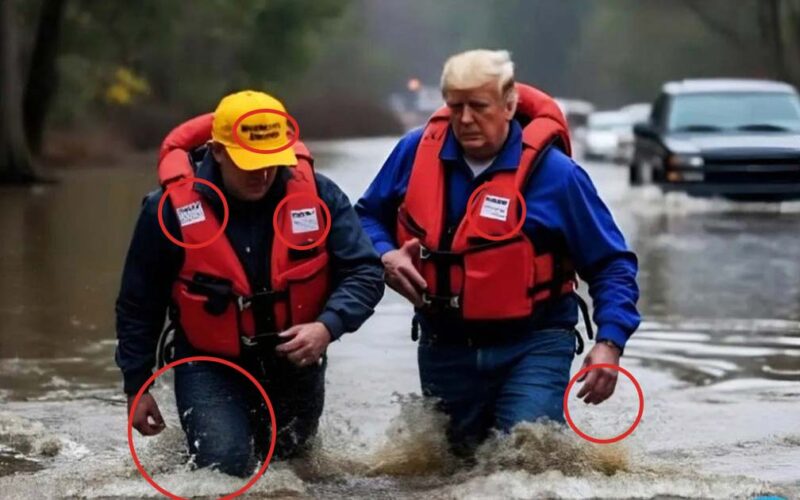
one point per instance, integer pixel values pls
(132, 382)
(613, 333)
(384, 246)
(333, 323)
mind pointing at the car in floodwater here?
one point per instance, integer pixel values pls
(577, 113)
(605, 135)
(636, 113)
(721, 137)
(609, 134)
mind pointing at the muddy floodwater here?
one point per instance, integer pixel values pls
(717, 357)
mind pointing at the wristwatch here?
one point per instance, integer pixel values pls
(611, 343)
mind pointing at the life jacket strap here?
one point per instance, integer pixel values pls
(584, 308)
(441, 302)
(440, 257)
(264, 297)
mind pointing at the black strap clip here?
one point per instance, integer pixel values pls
(260, 340)
(442, 257)
(587, 321)
(218, 291)
(262, 298)
(414, 328)
(441, 301)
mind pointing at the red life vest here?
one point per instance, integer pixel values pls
(486, 268)
(212, 294)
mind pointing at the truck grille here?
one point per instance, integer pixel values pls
(752, 170)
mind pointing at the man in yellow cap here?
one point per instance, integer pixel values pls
(290, 272)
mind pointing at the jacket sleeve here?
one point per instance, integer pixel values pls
(357, 269)
(377, 209)
(601, 256)
(151, 266)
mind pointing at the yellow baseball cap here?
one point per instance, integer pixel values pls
(260, 131)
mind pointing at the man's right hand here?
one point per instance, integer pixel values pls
(147, 418)
(401, 275)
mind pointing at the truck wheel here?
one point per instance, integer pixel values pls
(634, 175)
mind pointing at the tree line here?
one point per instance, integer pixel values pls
(134, 69)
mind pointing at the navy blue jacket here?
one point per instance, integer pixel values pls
(153, 263)
(562, 206)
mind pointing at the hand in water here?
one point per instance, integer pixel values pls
(599, 383)
(147, 418)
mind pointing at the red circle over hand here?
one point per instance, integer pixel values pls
(230, 364)
(295, 137)
(317, 201)
(225, 213)
(635, 422)
(481, 233)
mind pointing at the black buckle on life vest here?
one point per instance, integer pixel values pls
(440, 256)
(264, 297)
(218, 292)
(262, 304)
(441, 301)
(270, 338)
(261, 347)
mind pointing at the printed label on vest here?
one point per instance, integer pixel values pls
(495, 207)
(304, 220)
(190, 214)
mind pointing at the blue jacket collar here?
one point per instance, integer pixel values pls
(507, 159)
(206, 167)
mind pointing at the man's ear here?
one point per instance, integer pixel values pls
(511, 105)
(218, 151)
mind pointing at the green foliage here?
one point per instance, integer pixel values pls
(627, 48)
(185, 54)
(163, 60)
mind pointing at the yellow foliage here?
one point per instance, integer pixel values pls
(125, 87)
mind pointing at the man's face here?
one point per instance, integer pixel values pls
(480, 118)
(245, 185)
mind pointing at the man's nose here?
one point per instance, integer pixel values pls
(466, 115)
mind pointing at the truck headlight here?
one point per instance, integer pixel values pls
(685, 161)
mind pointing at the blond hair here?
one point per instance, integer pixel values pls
(474, 68)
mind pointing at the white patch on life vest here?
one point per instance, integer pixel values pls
(495, 207)
(191, 214)
(304, 220)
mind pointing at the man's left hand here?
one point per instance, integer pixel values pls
(305, 343)
(600, 382)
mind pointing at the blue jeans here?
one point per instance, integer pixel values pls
(226, 420)
(480, 388)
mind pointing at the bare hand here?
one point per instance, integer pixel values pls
(600, 382)
(147, 418)
(306, 344)
(401, 275)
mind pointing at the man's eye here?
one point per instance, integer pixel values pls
(456, 107)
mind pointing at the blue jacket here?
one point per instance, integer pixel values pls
(561, 202)
(153, 263)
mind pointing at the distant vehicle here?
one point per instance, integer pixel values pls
(733, 138)
(636, 113)
(606, 134)
(414, 105)
(577, 114)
